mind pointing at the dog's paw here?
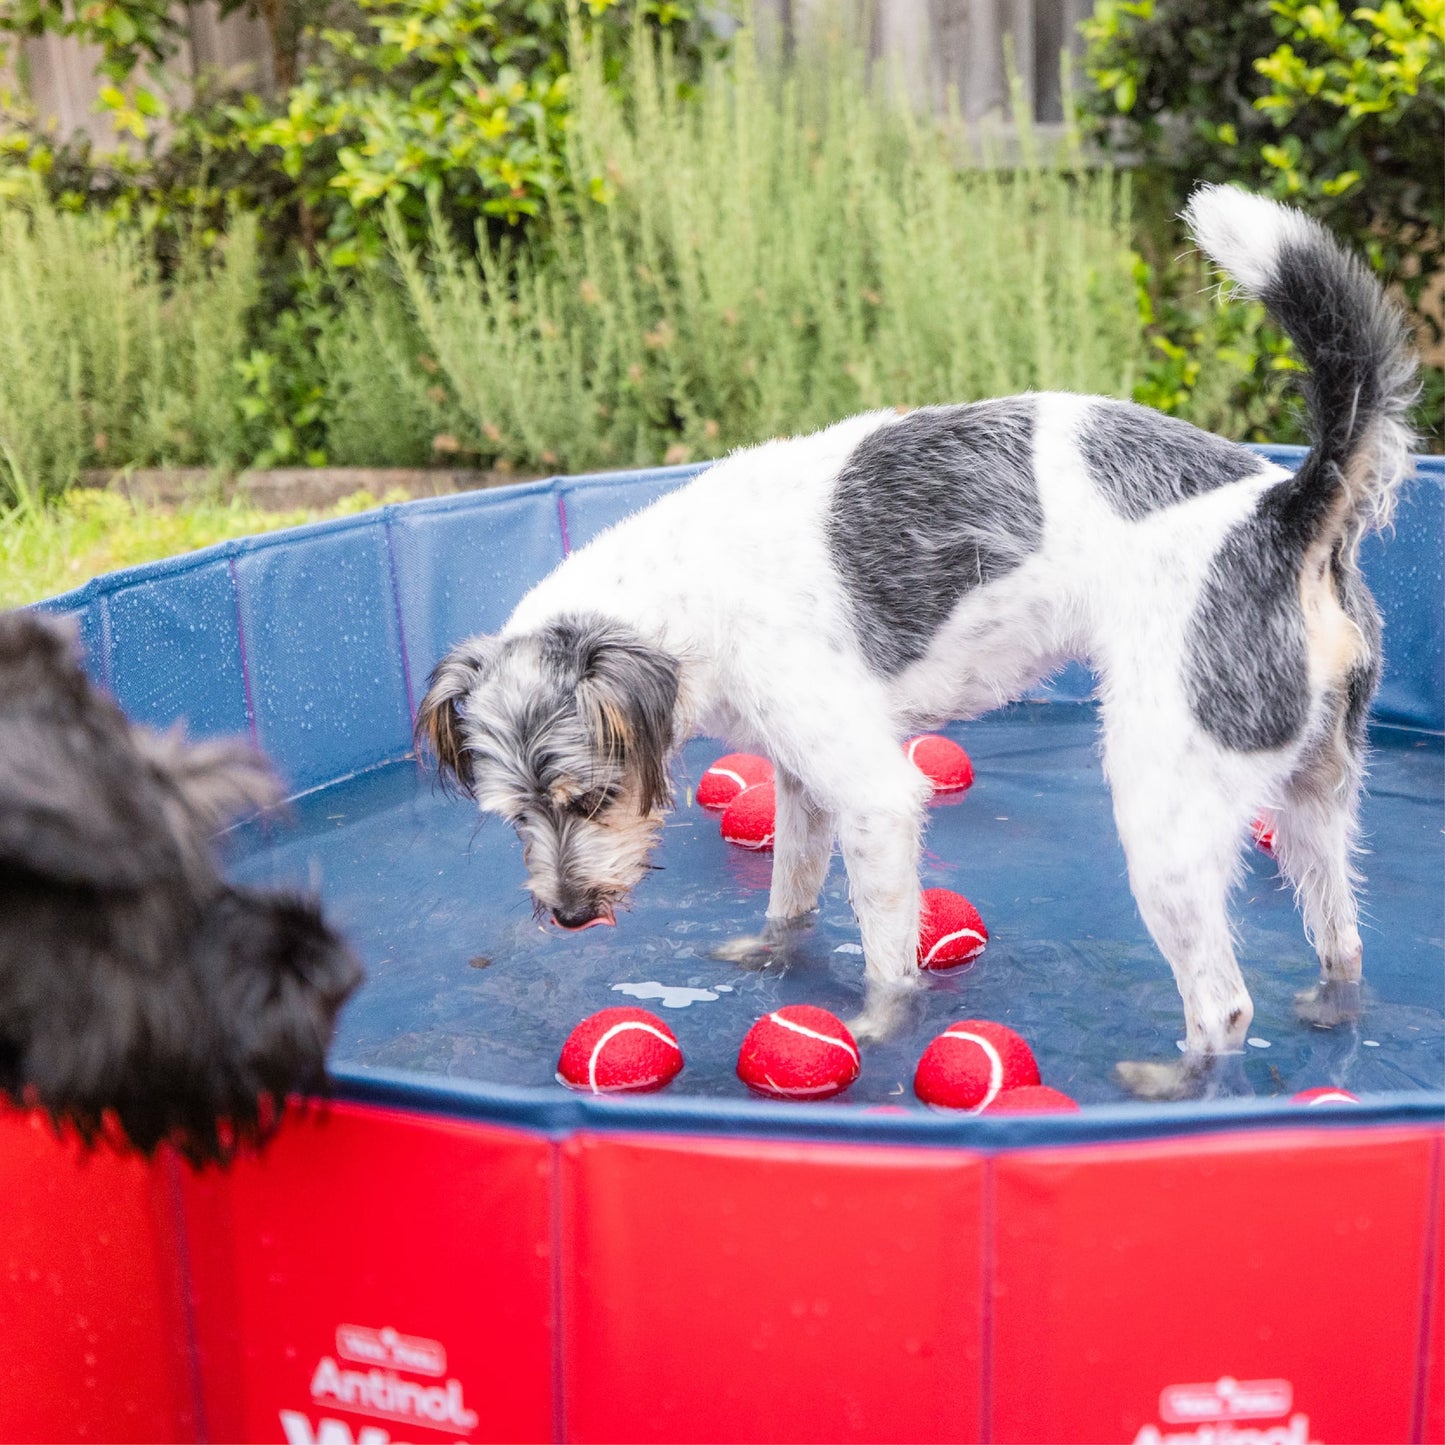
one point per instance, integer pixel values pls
(1195, 1076)
(772, 948)
(1329, 1004)
(754, 951)
(1161, 1082)
(887, 1012)
(869, 1028)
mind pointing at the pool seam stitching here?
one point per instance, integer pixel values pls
(559, 1340)
(387, 536)
(245, 654)
(562, 523)
(987, 1215)
(1427, 1294)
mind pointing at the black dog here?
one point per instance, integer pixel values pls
(136, 985)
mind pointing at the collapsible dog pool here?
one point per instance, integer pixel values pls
(454, 1247)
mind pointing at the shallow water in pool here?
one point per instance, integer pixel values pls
(463, 982)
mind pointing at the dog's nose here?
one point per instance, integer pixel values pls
(585, 917)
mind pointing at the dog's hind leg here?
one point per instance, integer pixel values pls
(1317, 821)
(1315, 830)
(1182, 821)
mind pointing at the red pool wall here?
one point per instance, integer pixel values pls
(611, 1286)
(94, 1335)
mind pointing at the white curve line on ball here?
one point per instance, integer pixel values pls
(814, 1034)
(718, 772)
(995, 1066)
(612, 1034)
(1333, 1097)
(799, 1089)
(960, 933)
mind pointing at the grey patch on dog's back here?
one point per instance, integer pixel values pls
(1142, 461)
(926, 509)
(1249, 677)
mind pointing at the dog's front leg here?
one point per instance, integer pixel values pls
(880, 846)
(802, 849)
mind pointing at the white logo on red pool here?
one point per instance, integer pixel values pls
(389, 1347)
(369, 1376)
(1227, 1411)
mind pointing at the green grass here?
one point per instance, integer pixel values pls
(52, 548)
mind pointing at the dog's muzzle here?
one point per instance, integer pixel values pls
(586, 917)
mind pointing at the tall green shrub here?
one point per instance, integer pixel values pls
(387, 402)
(764, 260)
(106, 364)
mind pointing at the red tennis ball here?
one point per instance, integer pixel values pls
(749, 820)
(971, 1063)
(1262, 830)
(950, 932)
(1310, 1097)
(798, 1052)
(941, 761)
(1031, 1099)
(729, 776)
(619, 1050)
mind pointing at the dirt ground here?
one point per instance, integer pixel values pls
(284, 489)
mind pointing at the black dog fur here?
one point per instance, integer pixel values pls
(138, 987)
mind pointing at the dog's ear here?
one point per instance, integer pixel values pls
(438, 719)
(217, 780)
(627, 695)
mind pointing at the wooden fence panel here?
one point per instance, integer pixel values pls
(59, 72)
(929, 48)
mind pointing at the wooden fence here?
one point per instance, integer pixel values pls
(928, 47)
(931, 48)
(59, 73)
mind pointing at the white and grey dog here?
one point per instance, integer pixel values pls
(818, 598)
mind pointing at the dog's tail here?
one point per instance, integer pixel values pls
(1353, 341)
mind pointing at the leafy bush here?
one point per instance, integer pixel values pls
(424, 98)
(764, 261)
(104, 363)
(1335, 111)
(1221, 366)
